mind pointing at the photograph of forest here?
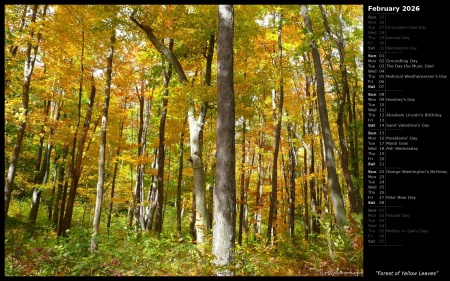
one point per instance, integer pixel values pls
(183, 140)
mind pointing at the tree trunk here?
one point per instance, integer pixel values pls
(259, 181)
(161, 149)
(224, 223)
(192, 230)
(242, 202)
(38, 177)
(140, 167)
(102, 152)
(340, 43)
(59, 193)
(307, 228)
(35, 201)
(278, 111)
(292, 174)
(113, 184)
(76, 173)
(180, 177)
(208, 71)
(333, 181)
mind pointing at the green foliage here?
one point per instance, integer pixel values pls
(123, 252)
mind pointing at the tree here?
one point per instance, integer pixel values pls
(277, 100)
(195, 132)
(77, 166)
(333, 181)
(30, 59)
(224, 222)
(102, 152)
(340, 43)
(162, 147)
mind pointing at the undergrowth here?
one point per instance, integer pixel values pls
(36, 250)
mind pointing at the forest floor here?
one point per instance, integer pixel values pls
(36, 250)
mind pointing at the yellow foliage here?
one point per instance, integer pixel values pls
(188, 172)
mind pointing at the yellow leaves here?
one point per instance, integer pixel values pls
(188, 172)
(152, 172)
(119, 200)
(143, 159)
(20, 116)
(311, 176)
(203, 93)
(131, 158)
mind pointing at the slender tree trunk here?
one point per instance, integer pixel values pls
(180, 177)
(208, 71)
(292, 174)
(192, 230)
(242, 202)
(245, 221)
(65, 221)
(30, 58)
(278, 111)
(76, 173)
(140, 167)
(161, 149)
(340, 43)
(307, 228)
(152, 195)
(113, 184)
(59, 204)
(315, 227)
(333, 181)
(224, 223)
(38, 177)
(259, 184)
(51, 202)
(102, 152)
(52, 195)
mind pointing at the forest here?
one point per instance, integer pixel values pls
(183, 140)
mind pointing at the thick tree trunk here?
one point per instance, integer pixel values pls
(333, 181)
(224, 223)
(35, 201)
(196, 127)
